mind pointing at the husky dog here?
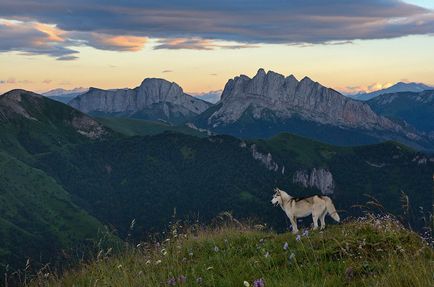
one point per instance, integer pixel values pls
(294, 208)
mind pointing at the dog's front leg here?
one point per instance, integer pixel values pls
(293, 224)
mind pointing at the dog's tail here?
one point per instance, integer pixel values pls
(331, 209)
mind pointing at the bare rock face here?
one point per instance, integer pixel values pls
(153, 99)
(287, 97)
(266, 159)
(320, 179)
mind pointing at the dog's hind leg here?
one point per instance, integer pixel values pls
(315, 220)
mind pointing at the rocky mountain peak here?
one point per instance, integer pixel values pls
(286, 97)
(154, 99)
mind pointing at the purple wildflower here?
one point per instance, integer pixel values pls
(298, 237)
(171, 281)
(259, 283)
(306, 233)
(285, 246)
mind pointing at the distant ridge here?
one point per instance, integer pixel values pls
(398, 87)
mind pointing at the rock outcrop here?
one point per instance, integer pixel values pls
(266, 159)
(320, 179)
(154, 99)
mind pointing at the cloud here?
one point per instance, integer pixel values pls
(13, 80)
(32, 38)
(110, 42)
(196, 44)
(167, 71)
(352, 90)
(46, 81)
(203, 25)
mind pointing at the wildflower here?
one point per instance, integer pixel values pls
(119, 266)
(291, 256)
(298, 237)
(158, 261)
(164, 252)
(247, 284)
(349, 273)
(171, 281)
(285, 246)
(199, 280)
(306, 233)
(148, 262)
(261, 240)
(216, 249)
(267, 254)
(259, 283)
(182, 279)
(190, 254)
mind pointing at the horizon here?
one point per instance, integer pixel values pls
(351, 46)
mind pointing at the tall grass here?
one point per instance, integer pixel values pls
(369, 251)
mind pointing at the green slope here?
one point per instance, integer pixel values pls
(137, 127)
(37, 217)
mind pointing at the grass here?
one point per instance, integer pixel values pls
(370, 251)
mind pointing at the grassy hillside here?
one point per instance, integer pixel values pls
(37, 217)
(367, 252)
(39, 220)
(137, 127)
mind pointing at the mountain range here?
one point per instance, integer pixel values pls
(258, 107)
(67, 176)
(398, 87)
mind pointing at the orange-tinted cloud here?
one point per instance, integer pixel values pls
(53, 33)
(117, 43)
(197, 44)
(351, 90)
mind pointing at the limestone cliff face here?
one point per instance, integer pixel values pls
(153, 99)
(287, 97)
(320, 179)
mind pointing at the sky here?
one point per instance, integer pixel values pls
(351, 46)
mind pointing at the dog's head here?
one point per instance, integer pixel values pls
(277, 198)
